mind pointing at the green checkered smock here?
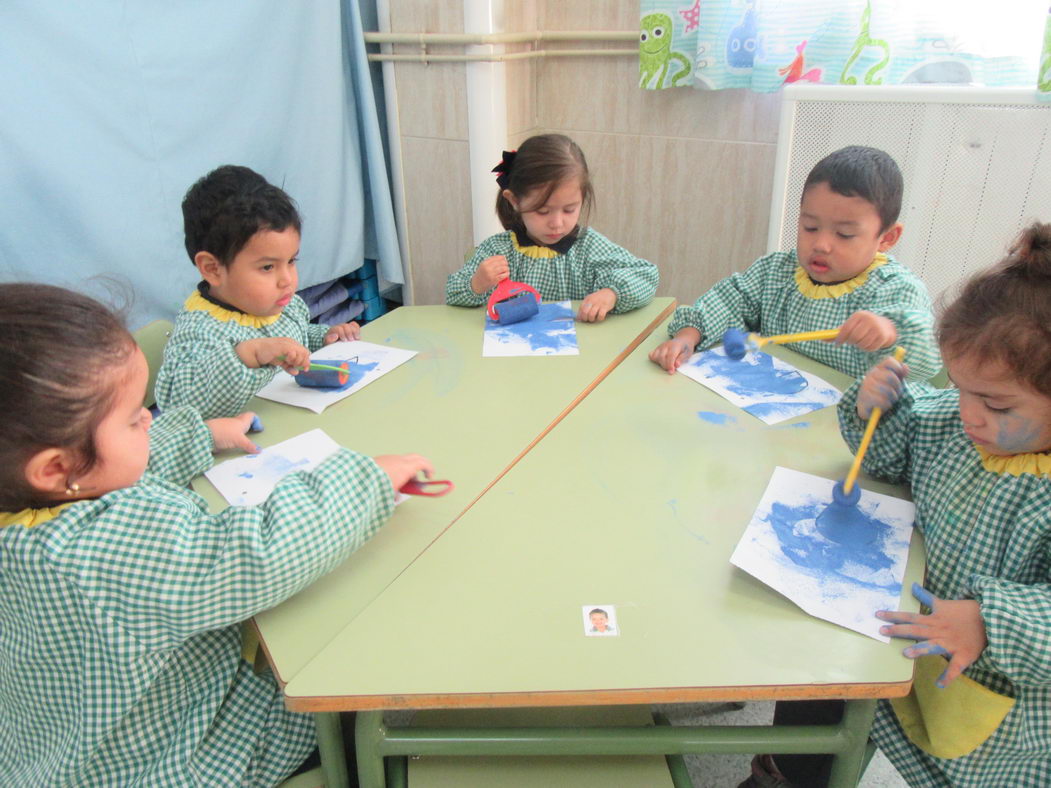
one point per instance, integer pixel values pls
(590, 263)
(120, 650)
(988, 537)
(201, 367)
(768, 299)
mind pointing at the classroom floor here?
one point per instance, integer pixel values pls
(726, 771)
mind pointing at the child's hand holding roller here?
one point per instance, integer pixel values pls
(268, 351)
(867, 331)
(401, 468)
(882, 386)
(490, 273)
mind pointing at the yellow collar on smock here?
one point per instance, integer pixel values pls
(1016, 464)
(811, 289)
(30, 517)
(523, 245)
(198, 303)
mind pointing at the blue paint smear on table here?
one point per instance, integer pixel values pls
(712, 417)
(845, 537)
(545, 331)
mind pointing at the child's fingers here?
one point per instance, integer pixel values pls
(925, 648)
(923, 596)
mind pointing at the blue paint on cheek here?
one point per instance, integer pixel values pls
(759, 376)
(1017, 434)
(712, 417)
(833, 540)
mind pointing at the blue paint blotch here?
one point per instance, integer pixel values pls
(839, 541)
(755, 375)
(545, 331)
(722, 419)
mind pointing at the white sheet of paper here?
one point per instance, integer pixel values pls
(551, 332)
(248, 480)
(839, 570)
(371, 361)
(770, 389)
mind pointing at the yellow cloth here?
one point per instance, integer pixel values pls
(198, 303)
(537, 252)
(812, 289)
(1016, 464)
(950, 722)
(30, 517)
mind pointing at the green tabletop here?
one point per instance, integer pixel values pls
(633, 500)
(472, 416)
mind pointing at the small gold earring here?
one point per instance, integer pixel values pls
(72, 488)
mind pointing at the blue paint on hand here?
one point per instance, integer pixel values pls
(849, 545)
(923, 596)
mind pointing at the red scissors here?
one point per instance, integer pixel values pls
(420, 487)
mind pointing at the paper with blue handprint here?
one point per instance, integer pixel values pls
(770, 389)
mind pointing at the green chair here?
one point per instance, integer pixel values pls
(152, 338)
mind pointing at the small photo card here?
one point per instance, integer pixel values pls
(600, 621)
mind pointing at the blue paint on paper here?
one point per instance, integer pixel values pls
(722, 419)
(551, 329)
(356, 370)
(844, 543)
(759, 375)
(245, 475)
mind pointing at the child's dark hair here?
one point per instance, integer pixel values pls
(544, 162)
(55, 345)
(228, 206)
(868, 173)
(1003, 315)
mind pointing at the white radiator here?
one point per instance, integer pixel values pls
(976, 162)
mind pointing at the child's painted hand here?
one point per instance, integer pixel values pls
(281, 351)
(344, 331)
(954, 629)
(671, 354)
(403, 467)
(230, 433)
(882, 386)
(595, 306)
(867, 331)
(491, 272)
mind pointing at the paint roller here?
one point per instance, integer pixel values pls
(512, 302)
(737, 343)
(325, 376)
(847, 493)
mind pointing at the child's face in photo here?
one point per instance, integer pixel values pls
(838, 236)
(122, 443)
(1000, 413)
(599, 621)
(262, 277)
(555, 219)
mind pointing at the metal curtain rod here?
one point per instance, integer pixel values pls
(466, 39)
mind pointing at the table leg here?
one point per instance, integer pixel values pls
(330, 747)
(369, 733)
(856, 723)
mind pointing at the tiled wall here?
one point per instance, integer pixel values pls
(682, 177)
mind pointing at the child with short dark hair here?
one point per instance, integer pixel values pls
(120, 595)
(245, 319)
(839, 276)
(978, 459)
(544, 199)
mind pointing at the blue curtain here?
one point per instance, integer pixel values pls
(765, 44)
(112, 109)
